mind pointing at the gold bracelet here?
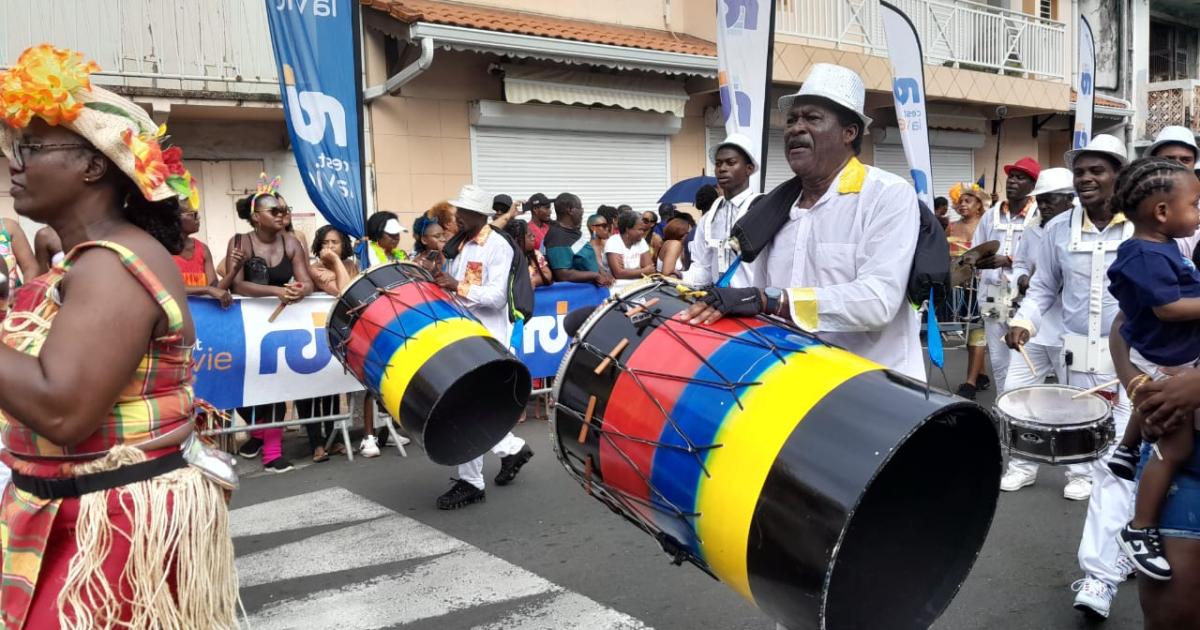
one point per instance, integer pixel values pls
(1135, 384)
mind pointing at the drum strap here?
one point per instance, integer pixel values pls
(1098, 274)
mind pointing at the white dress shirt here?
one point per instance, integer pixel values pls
(1050, 330)
(845, 263)
(997, 224)
(711, 256)
(1067, 275)
(481, 269)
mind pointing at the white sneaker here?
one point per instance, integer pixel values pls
(1078, 489)
(369, 447)
(1014, 480)
(1094, 597)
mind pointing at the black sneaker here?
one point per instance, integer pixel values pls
(1123, 462)
(983, 383)
(511, 465)
(1144, 547)
(278, 465)
(461, 494)
(250, 448)
(967, 390)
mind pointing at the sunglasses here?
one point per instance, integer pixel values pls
(647, 220)
(278, 211)
(22, 151)
(603, 224)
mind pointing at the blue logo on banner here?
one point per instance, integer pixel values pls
(920, 181)
(293, 343)
(1085, 83)
(734, 10)
(545, 341)
(219, 360)
(316, 51)
(906, 89)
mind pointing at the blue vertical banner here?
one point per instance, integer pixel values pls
(317, 53)
(908, 92)
(1085, 86)
(745, 38)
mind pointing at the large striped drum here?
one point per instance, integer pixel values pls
(828, 491)
(455, 388)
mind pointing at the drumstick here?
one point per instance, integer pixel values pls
(1115, 381)
(587, 419)
(641, 307)
(282, 305)
(1025, 355)
(616, 351)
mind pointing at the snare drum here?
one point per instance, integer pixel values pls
(455, 388)
(799, 474)
(1045, 423)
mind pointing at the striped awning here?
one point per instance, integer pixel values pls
(526, 84)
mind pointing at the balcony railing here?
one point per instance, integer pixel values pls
(953, 32)
(220, 46)
(1172, 103)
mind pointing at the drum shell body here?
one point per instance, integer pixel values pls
(801, 475)
(455, 388)
(1056, 443)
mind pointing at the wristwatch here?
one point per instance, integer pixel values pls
(774, 300)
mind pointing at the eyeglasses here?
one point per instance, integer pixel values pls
(191, 214)
(278, 211)
(603, 225)
(22, 151)
(647, 220)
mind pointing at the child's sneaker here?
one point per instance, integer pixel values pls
(1123, 462)
(1144, 547)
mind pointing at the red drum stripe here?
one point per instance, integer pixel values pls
(382, 312)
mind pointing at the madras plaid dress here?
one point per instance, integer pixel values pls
(157, 400)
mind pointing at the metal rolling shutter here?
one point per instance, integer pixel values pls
(608, 168)
(950, 166)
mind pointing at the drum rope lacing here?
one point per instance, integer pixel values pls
(661, 503)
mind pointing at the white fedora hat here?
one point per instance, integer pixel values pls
(1054, 180)
(473, 199)
(1173, 134)
(830, 82)
(741, 141)
(1101, 143)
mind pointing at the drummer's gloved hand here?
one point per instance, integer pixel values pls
(737, 302)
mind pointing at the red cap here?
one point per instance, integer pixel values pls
(1026, 165)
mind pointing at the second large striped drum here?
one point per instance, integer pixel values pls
(828, 491)
(455, 388)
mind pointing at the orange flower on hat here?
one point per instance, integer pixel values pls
(148, 162)
(45, 82)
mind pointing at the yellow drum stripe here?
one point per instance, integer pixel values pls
(412, 354)
(750, 440)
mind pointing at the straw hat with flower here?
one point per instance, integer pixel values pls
(53, 84)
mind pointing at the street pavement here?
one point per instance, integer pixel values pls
(356, 545)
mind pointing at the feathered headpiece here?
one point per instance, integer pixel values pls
(54, 85)
(266, 188)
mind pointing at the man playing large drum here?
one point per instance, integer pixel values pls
(1072, 268)
(847, 244)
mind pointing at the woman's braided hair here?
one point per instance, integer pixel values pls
(1141, 179)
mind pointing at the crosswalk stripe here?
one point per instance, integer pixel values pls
(459, 580)
(566, 611)
(354, 547)
(312, 509)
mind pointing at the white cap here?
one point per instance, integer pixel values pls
(736, 140)
(832, 83)
(1101, 143)
(392, 227)
(1054, 180)
(473, 199)
(1173, 134)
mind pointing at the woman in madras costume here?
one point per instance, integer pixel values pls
(104, 524)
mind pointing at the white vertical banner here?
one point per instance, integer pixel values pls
(1085, 86)
(745, 32)
(908, 91)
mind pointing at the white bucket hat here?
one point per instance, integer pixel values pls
(473, 199)
(834, 83)
(1101, 143)
(1054, 180)
(1173, 134)
(741, 141)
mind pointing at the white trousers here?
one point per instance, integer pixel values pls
(998, 351)
(1046, 360)
(472, 471)
(1111, 504)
